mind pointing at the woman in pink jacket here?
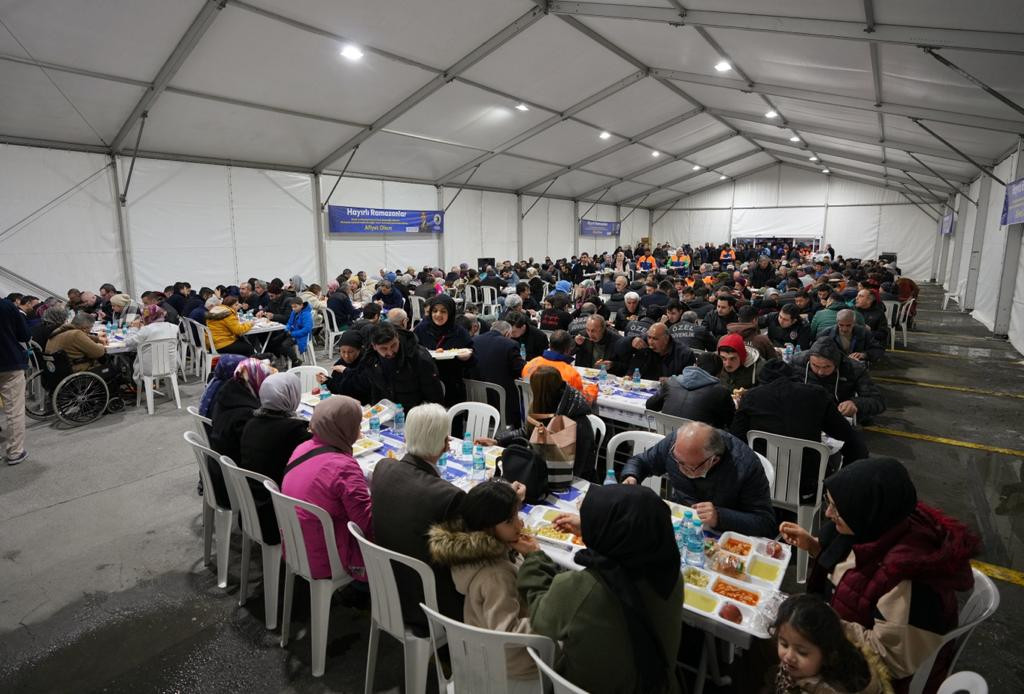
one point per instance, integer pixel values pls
(332, 479)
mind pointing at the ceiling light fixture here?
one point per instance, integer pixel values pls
(722, 177)
(697, 167)
(795, 138)
(604, 135)
(825, 171)
(522, 107)
(351, 52)
(772, 114)
(723, 66)
(655, 154)
(812, 158)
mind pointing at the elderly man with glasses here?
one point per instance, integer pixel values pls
(715, 474)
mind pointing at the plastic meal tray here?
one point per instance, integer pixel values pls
(364, 446)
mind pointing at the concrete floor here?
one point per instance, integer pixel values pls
(100, 540)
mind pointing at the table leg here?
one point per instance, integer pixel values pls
(711, 651)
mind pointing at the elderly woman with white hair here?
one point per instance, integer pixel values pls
(408, 496)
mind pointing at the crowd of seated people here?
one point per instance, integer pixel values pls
(738, 338)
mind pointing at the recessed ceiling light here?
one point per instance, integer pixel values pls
(795, 138)
(697, 167)
(522, 107)
(655, 153)
(722, 177)
(604, 135)
(351, 52)
(825, 171)
(772, 114)
(723, 66)
(812, 158)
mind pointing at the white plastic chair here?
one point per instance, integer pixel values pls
(471, 294)
(489, 296)
(481, 418)
(309, 356)
(158, 359)
(892, 310)
(205, 351)
(307, 376)
(321, 590)
(600, 429)
(525, 396)
(216, 518)
(902, 319)
(332, 333)
(945, 302)
(416, 304)
(640, 441)
(786, 454)
(479, 391)
(478, 656)
(964, 681)
(386, 612)
(186, 349)
(982, 604)
(240, 489)
(664, 424)
(490, 310)
(769, 469)
(559, 685)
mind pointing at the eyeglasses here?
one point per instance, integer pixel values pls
(692, 471)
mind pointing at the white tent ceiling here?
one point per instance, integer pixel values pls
(433, 100)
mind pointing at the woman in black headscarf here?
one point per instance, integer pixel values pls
(889, 565)
(346, 377)
(438, 331)
(619, 619)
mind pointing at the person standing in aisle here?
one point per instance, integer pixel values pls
(13, 362)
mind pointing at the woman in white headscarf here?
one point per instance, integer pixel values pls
(269, 438)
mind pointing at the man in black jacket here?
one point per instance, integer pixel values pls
(498, 361)
(717, 321)
(599, 345)
(696, 394)
(786, 326)
(874, 314)
(659, 358)
(763, 273)
(690, 332)
(399, 369)
(846, 380)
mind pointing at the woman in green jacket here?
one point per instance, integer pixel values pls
(619, 619)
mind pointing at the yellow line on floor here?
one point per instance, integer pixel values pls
(1000, 572)
(961, 389)
(944, 440)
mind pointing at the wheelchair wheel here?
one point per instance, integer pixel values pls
(80, 398)
(38, 404)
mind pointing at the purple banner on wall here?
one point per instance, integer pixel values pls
(372, 220)
(946, 224)
(1013, 203)
(591, 227)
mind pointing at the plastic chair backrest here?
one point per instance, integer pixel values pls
(479, 391)
(416, 304)
(769, 469)
(892, 309)
(240, 490)
(287, 508)
(786, 454)
(204, 456)
(481, 418)
(489, 295)
(472, 294)
(385, 602)
(600, 429)
(964, 681)
(904, 313)
(525, 394)
(559, 685)
(330, 320)
(198, 422)
(664, 424)
(158, 357)
(490, 309)
(206, 337)
(478, 655)
(640, 441)
(982, 604)
(307, 376)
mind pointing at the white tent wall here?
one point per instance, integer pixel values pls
(479, 224)
(965, 231)
(995, 247)
(547, 228)
(71, 242)
(597, 244)
(637, 225)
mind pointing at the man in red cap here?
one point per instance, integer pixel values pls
(739, 368)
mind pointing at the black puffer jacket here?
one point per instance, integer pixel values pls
(573, 406)
(850, 381)
(231, 411)
(411, 379)
(695, 395)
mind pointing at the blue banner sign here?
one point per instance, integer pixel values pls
(946, 225)
(343, 219)
(590, 227)
(1013, 204)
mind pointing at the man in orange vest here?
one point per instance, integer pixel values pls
(557, 356)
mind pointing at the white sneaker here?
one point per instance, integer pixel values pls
(16, 459)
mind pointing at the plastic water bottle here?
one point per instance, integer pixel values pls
(609, 477)
(479, 464)
(522, 352)
(787, 353)
(375, 428)
(695, 545)
(442, 465)
(467, 445)
(399, 423)
(636, 378)
(602, 376)
(680, 535)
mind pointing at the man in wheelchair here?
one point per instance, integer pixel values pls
(73, 350)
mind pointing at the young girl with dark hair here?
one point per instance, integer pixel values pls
(816, 654)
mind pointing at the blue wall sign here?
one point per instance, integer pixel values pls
(342, 219)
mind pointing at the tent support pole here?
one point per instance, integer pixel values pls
(340, 176)
(123, 198)
(318, 229)
(928, 214)
(10, 274)
(576, 227)
(539, 197)
(918, 182)
(977, 82)
(634, 209)
(122, 229)
(1011, 260)
(459, 191)
(977, 243)
(594, 204)
(519, 225)
(957, 250)
(965, 157)
(440, 237)
(940, 176)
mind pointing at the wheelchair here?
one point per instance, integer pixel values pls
(73, 397)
